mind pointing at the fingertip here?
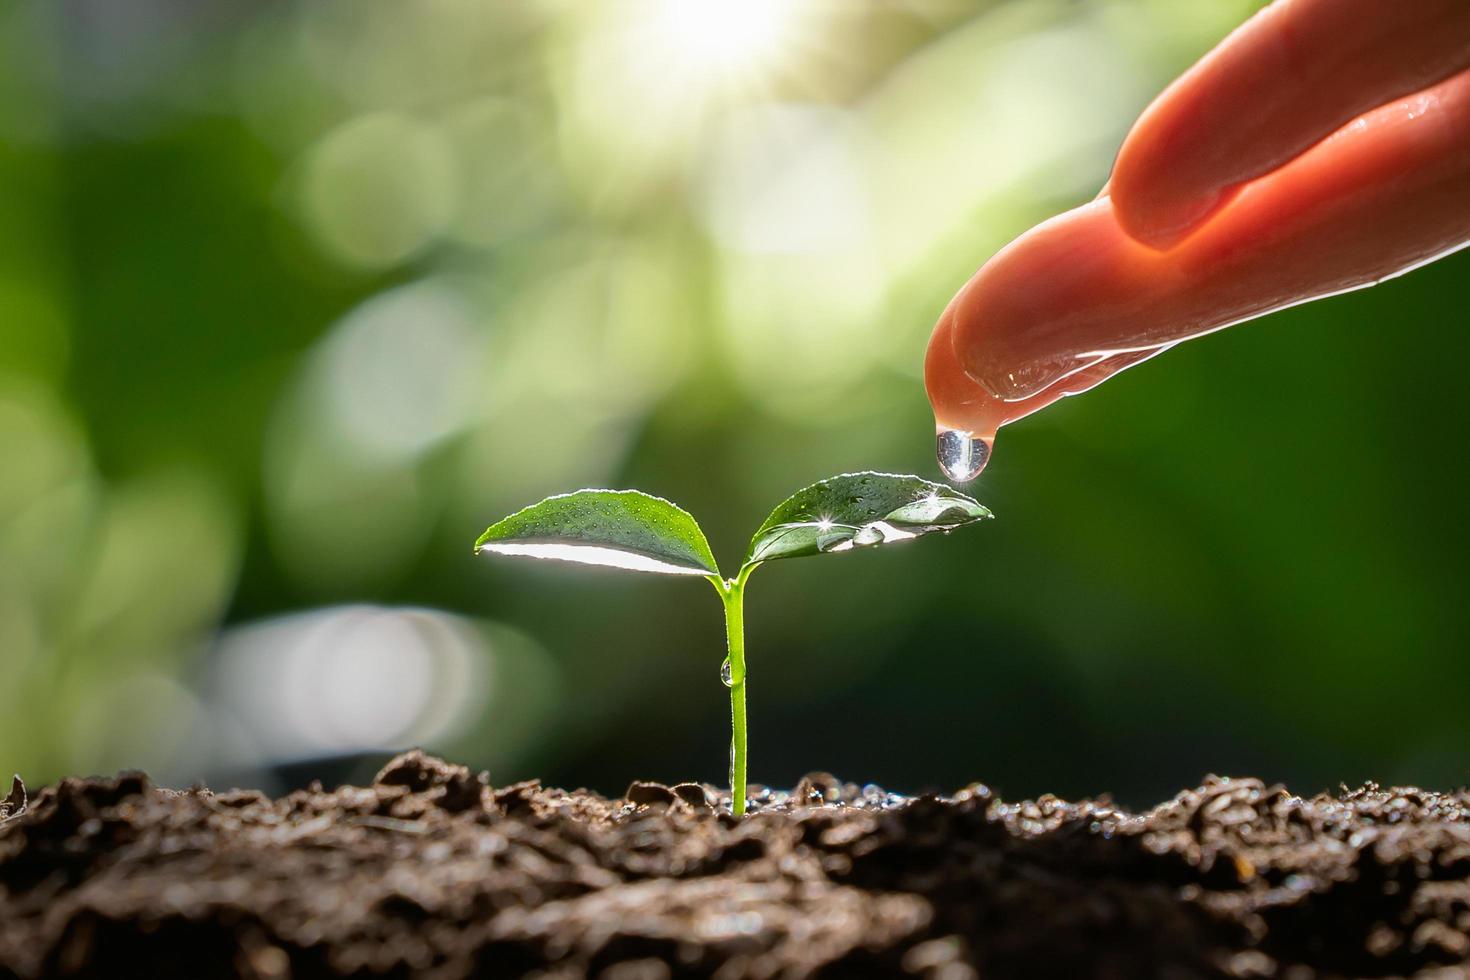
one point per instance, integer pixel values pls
(956, 399)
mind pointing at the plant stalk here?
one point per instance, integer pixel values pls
(733, 596)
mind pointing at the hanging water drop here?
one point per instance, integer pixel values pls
(961, 454)
(726, 674)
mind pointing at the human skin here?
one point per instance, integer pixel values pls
(1323, 146)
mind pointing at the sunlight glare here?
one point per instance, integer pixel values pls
(720, 35)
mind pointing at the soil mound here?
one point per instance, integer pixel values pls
(431, 872)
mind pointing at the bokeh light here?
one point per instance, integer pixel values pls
(344, 680)
(378, 189)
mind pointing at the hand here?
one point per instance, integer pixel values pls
(1323, 146)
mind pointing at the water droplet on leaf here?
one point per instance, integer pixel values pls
(726, 674)
(839, 539)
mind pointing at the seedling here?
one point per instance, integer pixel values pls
(634, 530)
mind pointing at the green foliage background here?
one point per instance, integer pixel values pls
(295, 298)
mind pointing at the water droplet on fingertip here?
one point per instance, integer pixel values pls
(962, 455)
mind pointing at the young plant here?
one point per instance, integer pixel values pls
(634, 530)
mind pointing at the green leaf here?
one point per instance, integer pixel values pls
(860, 510)
(617, 528)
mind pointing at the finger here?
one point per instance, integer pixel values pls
(962, 403)
(1386, 193)
(1286, 79)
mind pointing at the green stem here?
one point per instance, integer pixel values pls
(733, 595)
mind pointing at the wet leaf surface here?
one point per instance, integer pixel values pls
(860, 510)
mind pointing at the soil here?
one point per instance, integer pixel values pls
(431, 872)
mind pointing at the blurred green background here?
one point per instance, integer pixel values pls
(296, 297)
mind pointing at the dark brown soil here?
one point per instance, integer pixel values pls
(430, 872)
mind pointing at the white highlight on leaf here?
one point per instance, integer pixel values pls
(591, 555)
(891, 533)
